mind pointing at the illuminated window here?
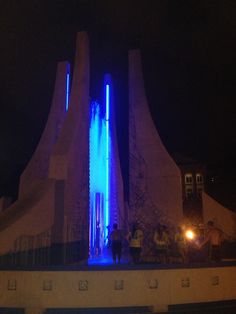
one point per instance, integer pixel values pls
(199, 178)
(188, 178)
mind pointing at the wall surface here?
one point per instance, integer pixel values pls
(38, 166)
(223, 218)
(102, 288)
(154, 178)
(70, 158)
(4, 202)
(53, 194)
(29, 217)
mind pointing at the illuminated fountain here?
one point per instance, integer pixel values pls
(99, 179)
(99, 174)
(72, 191)
(105, 182)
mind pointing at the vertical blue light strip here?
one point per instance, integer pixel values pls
(67, 86)
(107, 102)
(106, 212)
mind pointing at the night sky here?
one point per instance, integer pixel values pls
(189, 60)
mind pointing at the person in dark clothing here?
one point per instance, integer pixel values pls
(116, 243)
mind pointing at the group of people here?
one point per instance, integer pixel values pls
(134, 238)
(164, 244)
(210, 235)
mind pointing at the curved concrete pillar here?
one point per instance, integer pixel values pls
(38, 166)
(55, 208)
(70, 159)
(154, 178)
(76, 122)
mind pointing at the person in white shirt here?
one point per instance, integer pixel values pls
(135, 238)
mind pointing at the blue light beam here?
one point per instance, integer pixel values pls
(106, 213)
(67, 86)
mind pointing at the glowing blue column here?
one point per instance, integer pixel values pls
(107, 179)
(67, 87)
(97, 179)
(100, 173)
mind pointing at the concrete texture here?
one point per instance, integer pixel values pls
(117, 192)
(223, 218)
(24, 225)
(153, 288)
(70, 157)
(53, 194)
(28, 222)
(5, 202)
(38, 166)
(154, 178)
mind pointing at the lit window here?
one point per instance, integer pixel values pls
(199, 178)
(188, 178)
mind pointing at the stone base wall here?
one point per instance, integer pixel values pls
(41, 290)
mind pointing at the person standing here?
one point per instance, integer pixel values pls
(161, 239)
(214, 238)
(116, 243)
(135, 239)
(181, 244)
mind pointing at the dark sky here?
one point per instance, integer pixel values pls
(189, 59)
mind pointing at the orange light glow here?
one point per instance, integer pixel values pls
(190, 235)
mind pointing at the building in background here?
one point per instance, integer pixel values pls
(193, 175)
